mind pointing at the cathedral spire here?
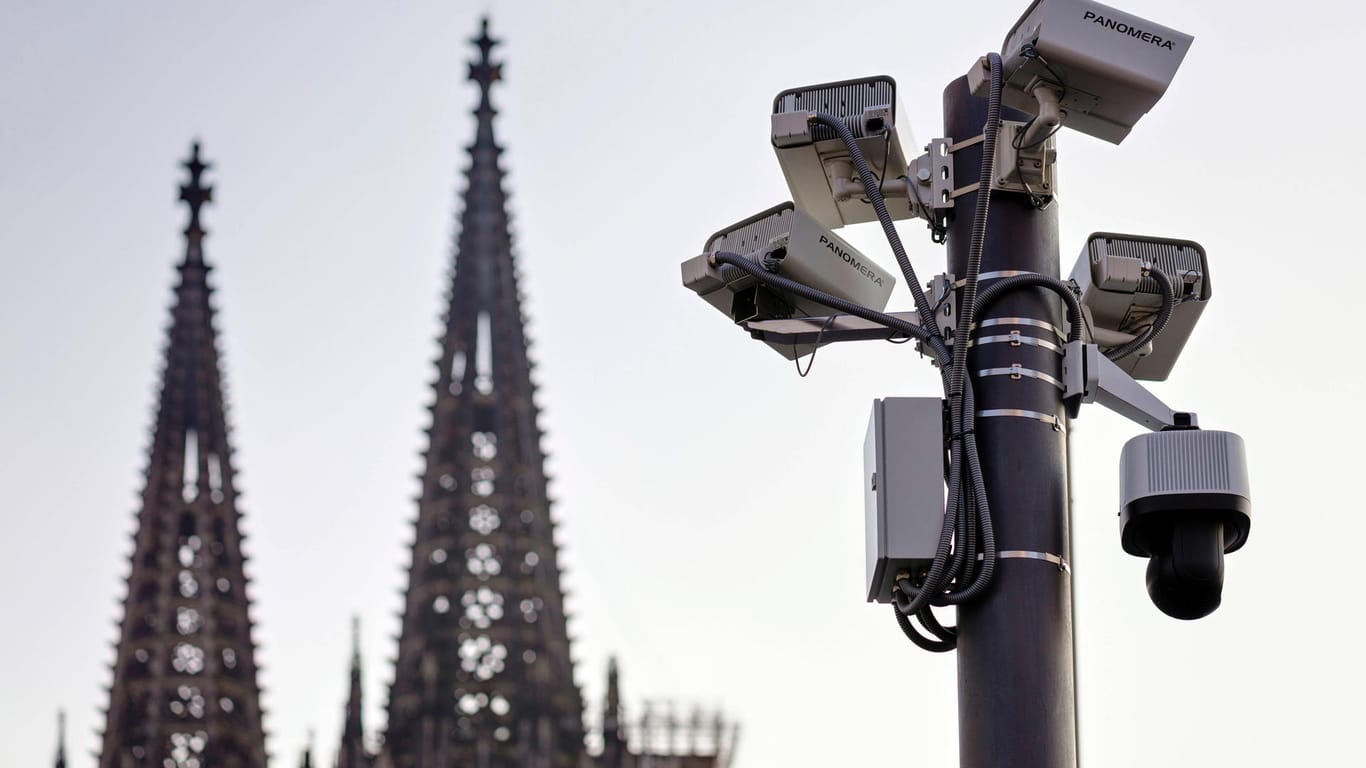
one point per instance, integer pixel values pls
(484, 676)
(614, 747)
(352, 753)
(61, 739)
(185, 690)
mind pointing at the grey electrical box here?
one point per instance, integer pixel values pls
(903, 460)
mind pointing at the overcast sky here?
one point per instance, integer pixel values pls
(709, 499)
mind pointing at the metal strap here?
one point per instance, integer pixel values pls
(996, 275)
(1015, 339)
(1016, 371)
(1022, 321)
(965, 143)
(1024, 554)
(1022, 413)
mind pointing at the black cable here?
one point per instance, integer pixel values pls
(931, 623)
(1000, 287)
(810, 361)
(1164, 314)
(886, 153)
(873, 188)
(951, 578)
(1030, 52)
(736, 261)
(933, 645)
(963, 446)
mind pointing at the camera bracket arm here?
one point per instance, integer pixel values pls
(1090, 377)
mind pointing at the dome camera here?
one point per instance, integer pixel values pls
(1184, 504)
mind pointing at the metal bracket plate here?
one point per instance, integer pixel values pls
(1031, 170)
(932, 177)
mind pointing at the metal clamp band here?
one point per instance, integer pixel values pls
(1046, 418)
(965, 143)
(1022, 321)
(1024, 554)
(1016, 371)
(996, 275)
(1015, 339)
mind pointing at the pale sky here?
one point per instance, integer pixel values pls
(710, 500)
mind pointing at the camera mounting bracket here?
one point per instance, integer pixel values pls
(1090, 377)
(1024, 165)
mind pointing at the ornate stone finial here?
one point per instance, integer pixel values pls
(195, 194)
(485, 71)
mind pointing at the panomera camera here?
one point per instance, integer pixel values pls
(1088, 66)
(817, 165)
(788, 242)
(1121, 299)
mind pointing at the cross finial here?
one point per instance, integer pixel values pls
(195, 194)
(485, 70)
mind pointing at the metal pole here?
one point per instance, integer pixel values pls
(1016, 689)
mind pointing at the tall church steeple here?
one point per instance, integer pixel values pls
(60, 762)
(352, 753)
(185, 690)
(484, 676)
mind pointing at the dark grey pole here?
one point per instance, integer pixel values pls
(1016, 690)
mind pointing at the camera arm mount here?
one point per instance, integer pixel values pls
(1024, 165)
(1090, 377)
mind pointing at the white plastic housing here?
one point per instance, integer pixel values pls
(816, 163)
(810, 254)
(1117, 298)
(1110, 66)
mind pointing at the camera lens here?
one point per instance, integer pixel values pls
(1186, 580)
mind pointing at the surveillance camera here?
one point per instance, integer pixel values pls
(817, 163)
(1121, 302)
(1184, 503)
(1089, 66)
(790, 243)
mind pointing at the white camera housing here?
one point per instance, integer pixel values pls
(1185, 502)
(816, 163)
(1120, 303)
(1102, 67)
(804, 251)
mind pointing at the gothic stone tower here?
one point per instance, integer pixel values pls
(483, 677)
(185, 692)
